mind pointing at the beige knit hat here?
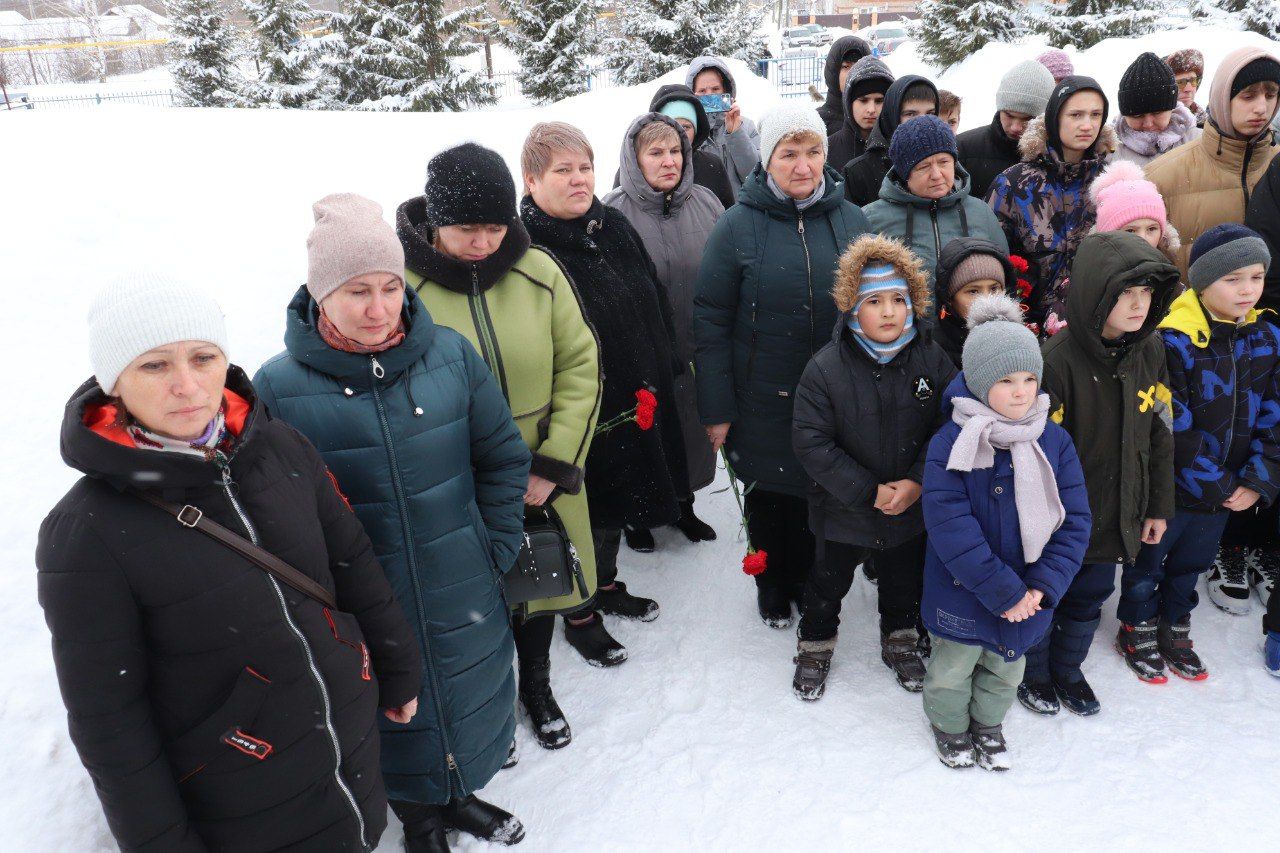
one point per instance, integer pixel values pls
(350, 238)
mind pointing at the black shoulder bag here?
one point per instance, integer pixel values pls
(547, 564)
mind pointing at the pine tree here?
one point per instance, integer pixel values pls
(949, 30)
(1259, 16)
(655, 36)
(290, 70)
(553, 39)
(204, 55)
(402, 55)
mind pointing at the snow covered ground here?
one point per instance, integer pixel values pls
(696, 742)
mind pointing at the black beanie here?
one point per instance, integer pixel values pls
(1148, 86)
(1260, 70)
(1062, 92)
(469, 185)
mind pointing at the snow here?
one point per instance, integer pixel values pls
(696, 742)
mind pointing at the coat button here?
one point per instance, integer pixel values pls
(957, 583)
(999, 490)
(348, 392)
(1010, 654)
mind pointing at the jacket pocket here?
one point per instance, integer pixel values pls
(482, 539)
(346, 632)
(227, 734)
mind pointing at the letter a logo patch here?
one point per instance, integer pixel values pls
(922, 388)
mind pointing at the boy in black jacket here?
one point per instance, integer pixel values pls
(865, 409)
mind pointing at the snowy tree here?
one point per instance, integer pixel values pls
(204, 55)
(553, 39)
(655, 36)
(1259, 16)
(290, 70)
(1084, 23)
(949, 31)
(404, 55)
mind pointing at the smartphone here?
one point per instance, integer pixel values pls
(716, 103)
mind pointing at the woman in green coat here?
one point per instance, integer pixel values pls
(469, 258)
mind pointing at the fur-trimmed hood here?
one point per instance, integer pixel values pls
(873, 247)
(1034, 144)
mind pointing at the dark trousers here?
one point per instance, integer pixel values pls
(1162, 582)
(900, 584)
(1256, 527)
(1075, 620)
(533, 636)
(779, 525)
(606, 541)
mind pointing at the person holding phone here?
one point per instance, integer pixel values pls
(734, 138)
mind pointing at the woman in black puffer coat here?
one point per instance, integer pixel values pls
(214, 707)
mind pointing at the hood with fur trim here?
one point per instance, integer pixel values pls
(873, 247)
(1034, 144)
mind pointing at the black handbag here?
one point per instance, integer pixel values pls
(547, 565)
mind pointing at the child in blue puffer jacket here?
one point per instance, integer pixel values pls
(1008, 519)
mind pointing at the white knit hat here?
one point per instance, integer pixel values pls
(785, 120)
(143, 311)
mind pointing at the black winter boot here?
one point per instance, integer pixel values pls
(774, 605)
(485, 821)
(953, 750)
(594, 643)
(813, 662)
(423, 827)
(1039, 697)
(1077, 697)
(1175, 645)
(639, 539)
(990, 750)
(1137, 645)
(549, 725)
(618, 602)
(869, 569)
(900, 651)
(694, 528)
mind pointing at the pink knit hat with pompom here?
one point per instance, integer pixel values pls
(1122, 194)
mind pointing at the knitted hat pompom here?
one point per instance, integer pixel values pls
(994, 306)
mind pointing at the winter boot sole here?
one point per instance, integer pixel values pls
(957, 764)
(1234, 606)
(547, 745)
(1028, 701)
(809, 695)
(1145, 679)
(1202, 676)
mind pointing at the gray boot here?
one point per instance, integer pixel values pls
(953, 750)
(900, 651)
(813, 662)
(991, 751)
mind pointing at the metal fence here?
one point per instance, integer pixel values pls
(791, 75)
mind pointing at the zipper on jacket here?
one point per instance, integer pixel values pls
(398, 488)
(937, 236)
(488, 336)
(311, 661)
(808, 271)
(1235, 381)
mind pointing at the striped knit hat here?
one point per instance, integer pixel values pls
(879, 277)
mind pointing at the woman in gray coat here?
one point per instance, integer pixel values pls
(674, 217)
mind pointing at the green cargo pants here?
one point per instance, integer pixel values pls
(964, 683)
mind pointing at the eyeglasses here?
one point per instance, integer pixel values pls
(1184, 82)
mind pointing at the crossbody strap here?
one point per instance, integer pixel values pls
(190, 516)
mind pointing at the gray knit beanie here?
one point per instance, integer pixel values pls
(1222, 250)
(137, 313)
(1025, 88)
(350, 238)
(998, 344)
(785, 120)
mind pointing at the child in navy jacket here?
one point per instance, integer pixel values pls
(1008, 520)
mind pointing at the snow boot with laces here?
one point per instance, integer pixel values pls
(618, 602)
(1137, 645)
(485, 821)
(813, 663)
(1174, 641)
(954, 750)
(1264, 568)
(549, 725)
(989, 748)
(1228, 581)
(596, 645)
(900, 651)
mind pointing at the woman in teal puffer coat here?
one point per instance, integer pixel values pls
(924, 199)
(762, 308)
(420, 440)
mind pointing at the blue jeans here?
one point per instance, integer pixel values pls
(1162, 582)
(1075, 620)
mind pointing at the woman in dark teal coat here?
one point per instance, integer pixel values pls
(418, 435)
(762, 308)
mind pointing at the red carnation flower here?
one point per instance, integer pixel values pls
(644, 397)
(1024, 288)
(755, 562)
(646, 405)
(1019, 263)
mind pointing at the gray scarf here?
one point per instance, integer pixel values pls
(1035, 487)
(802, 204)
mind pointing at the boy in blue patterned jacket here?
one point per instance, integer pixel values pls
(1223, 360)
